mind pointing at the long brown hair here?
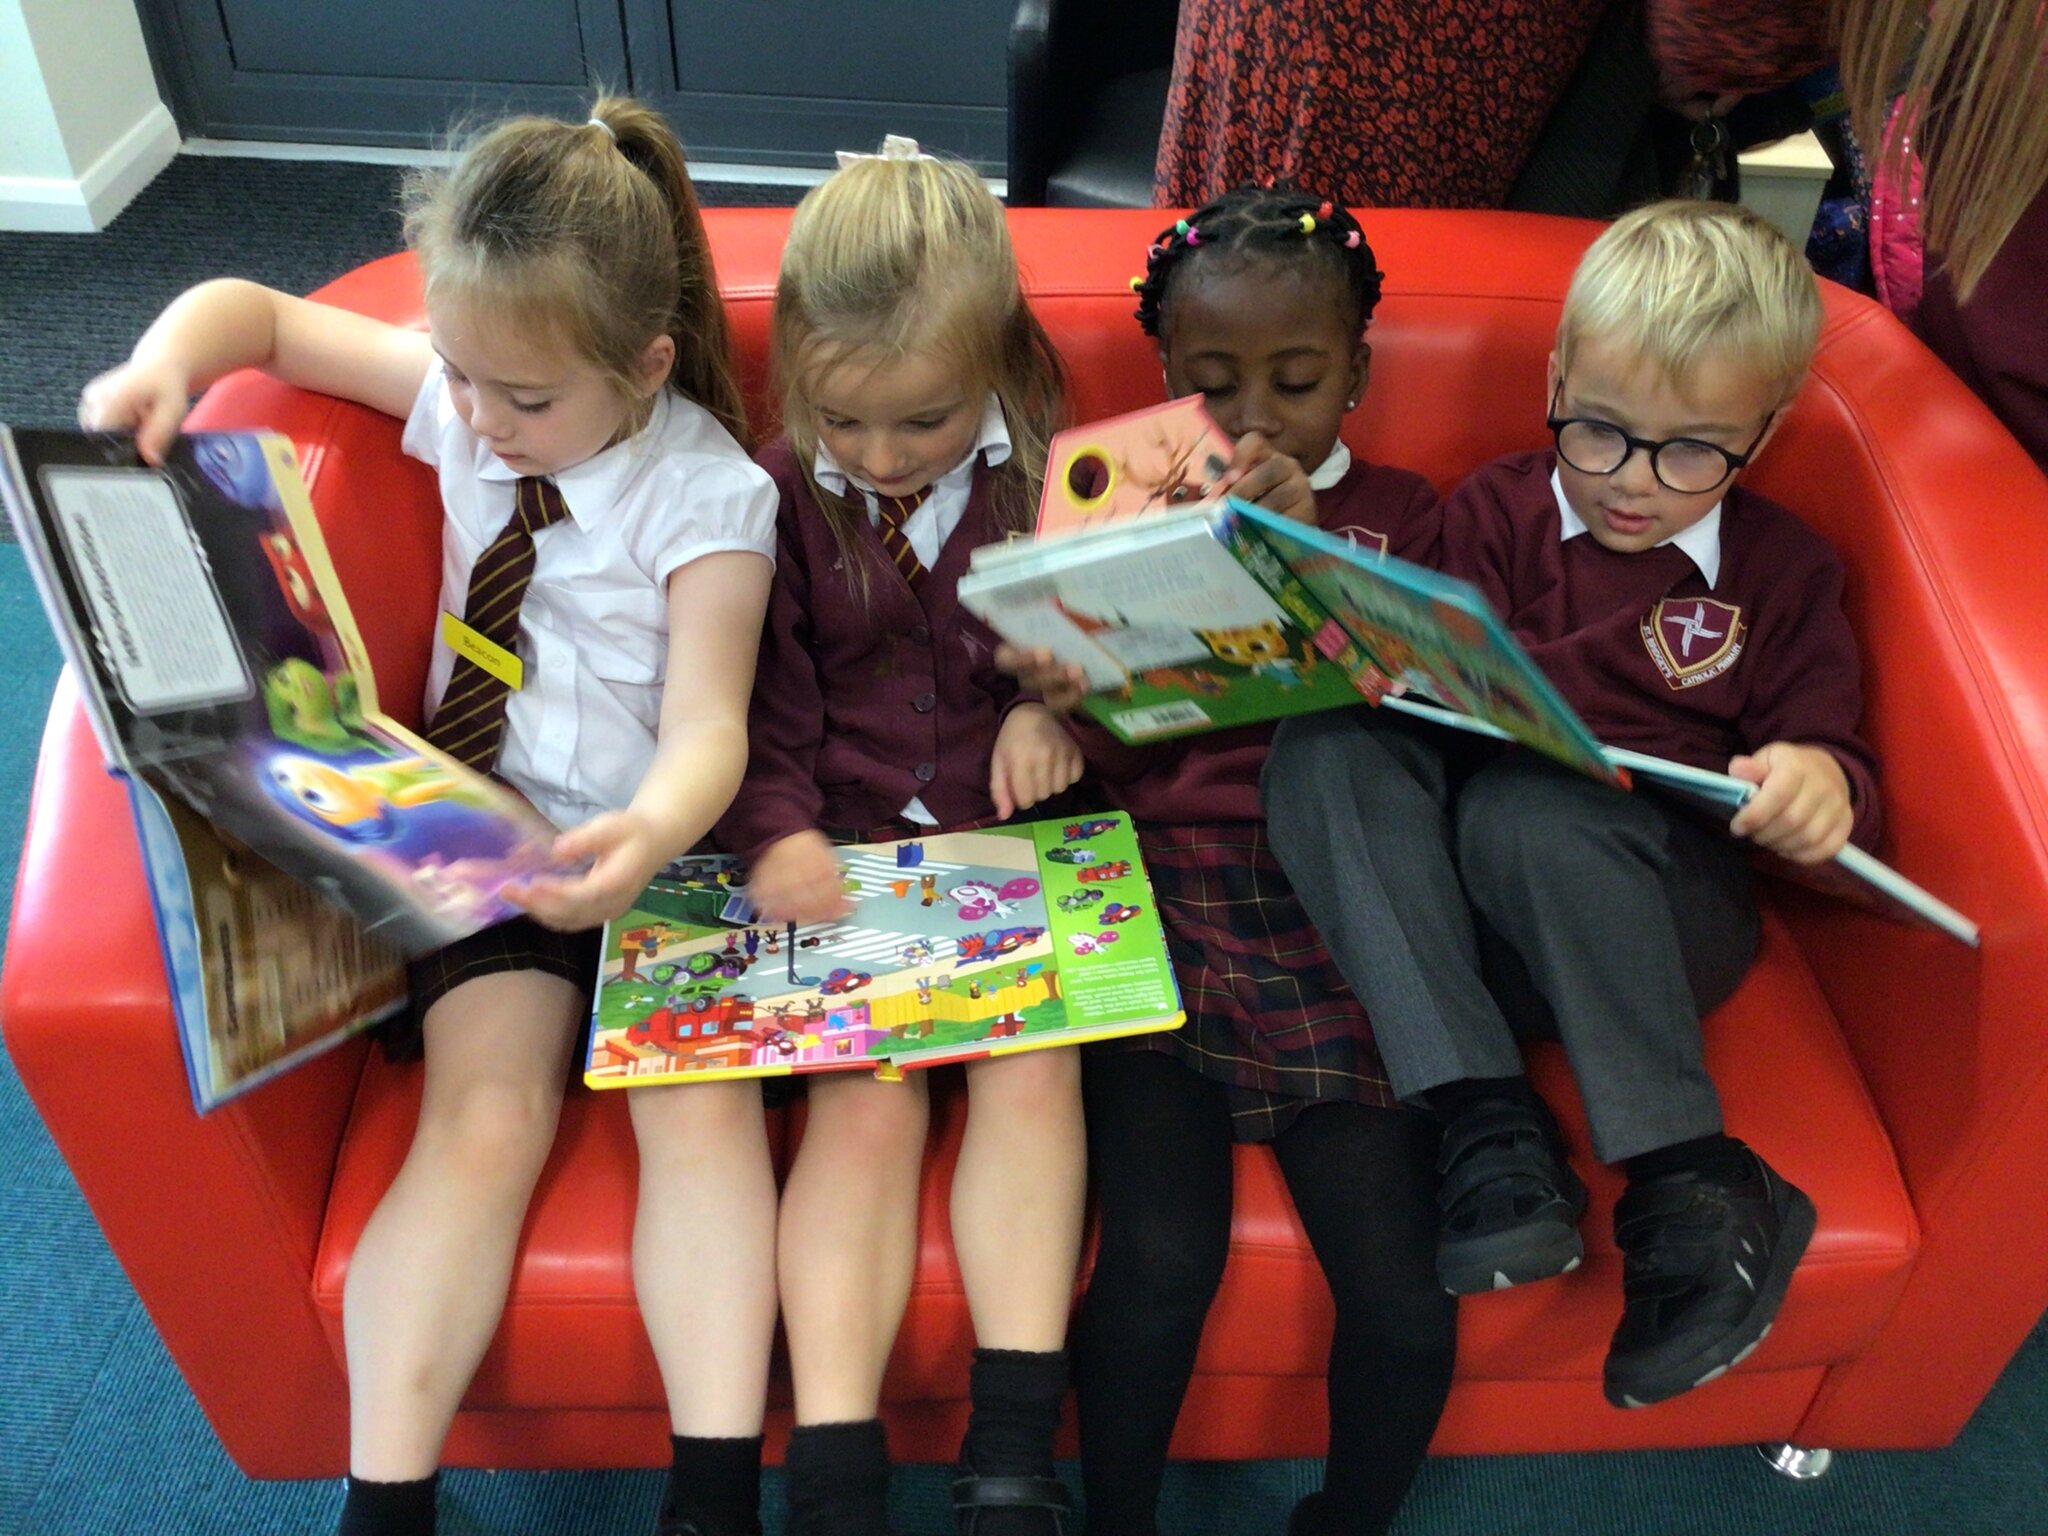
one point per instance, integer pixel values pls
(1975, 111)
(591, 231)
(887, 258)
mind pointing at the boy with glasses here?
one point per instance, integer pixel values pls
(1473, 894)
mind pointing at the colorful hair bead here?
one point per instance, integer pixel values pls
(1351, 241)
(1308, 223)
(1137, 285)
(1180, 226)
(1194, 237)
(1323, 209)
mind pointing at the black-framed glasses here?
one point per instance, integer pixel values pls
(1682, 464)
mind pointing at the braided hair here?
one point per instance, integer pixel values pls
(1273, 223)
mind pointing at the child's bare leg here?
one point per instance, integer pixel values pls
(1018, 1193)
(847, 1241)
(705, 1227)
(430, 1272)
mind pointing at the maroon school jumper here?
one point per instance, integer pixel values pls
(1268, 1014)
(860, 705)
(1650, 655)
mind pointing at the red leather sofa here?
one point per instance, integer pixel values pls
(1899, 1077)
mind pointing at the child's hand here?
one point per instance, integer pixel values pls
(1059, 686)
(623, 853)
(1034, 760)
(1268, 479)
(1801, 809)
(151, 397)
(798, 880)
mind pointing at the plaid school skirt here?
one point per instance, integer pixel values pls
(1269, 1016)
(517, 944)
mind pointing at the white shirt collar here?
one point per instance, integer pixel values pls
(1332, 469)
(594, 485)
(1701, 543)
(991, 443)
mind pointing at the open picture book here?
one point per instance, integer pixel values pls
(956, 945)
(298, 844)
(1222, 613)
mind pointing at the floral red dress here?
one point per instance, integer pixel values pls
(1379, 103)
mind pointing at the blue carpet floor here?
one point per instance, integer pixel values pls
(98, 1434)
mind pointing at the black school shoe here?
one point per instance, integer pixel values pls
(1704, 1267)
(1510, 1202)
(975, 1497)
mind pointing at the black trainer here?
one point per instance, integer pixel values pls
(1510, 1202)
(975, 1496)
(1704, 1267)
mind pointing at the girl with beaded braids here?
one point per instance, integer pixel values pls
(574, 392)
(1259, 303)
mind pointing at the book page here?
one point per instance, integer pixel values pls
(158, 618)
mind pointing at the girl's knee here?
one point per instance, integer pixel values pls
(1038, 1083)
(490, 1131)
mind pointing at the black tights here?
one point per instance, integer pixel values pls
(1363, 1181)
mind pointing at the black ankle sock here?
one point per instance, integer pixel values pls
(389, 1509)
(713, 1482)
(1016, 1396)
(1718, 1157)
(1452, 1099)
(838, 1479)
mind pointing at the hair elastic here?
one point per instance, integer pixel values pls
(598, 122)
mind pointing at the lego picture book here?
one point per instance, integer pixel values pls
(956, 946)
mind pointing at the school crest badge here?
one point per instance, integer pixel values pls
(1693, 640)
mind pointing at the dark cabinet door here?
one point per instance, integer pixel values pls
(786, 82)
(780, 82)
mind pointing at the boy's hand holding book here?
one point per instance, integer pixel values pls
(621, 851)
(150, 395)
(1801, 809)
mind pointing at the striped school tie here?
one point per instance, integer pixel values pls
(893, 512)
(470, 724)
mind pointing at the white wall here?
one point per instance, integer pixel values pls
(81, 127)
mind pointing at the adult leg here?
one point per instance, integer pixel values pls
(846, 1247)
(1018, 1193)
(705, 1225)
(1363, 1181)
(1159, 1146)
(431, 1270)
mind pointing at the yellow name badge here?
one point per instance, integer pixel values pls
(484, 651)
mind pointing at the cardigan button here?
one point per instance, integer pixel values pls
(920, 635)
(925, 773)
(925, 703)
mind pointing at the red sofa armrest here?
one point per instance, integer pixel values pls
(195, 1208)
(1940, 517)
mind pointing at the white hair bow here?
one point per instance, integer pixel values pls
(894, 147)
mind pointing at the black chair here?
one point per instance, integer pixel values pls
(1088, 85)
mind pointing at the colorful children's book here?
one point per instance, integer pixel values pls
(1136, 607)
(1145, 461)
(227, 684)
(958, 945)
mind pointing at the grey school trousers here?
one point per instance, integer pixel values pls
(1473, 895)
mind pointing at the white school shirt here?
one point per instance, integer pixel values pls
(593, 629)
(1701, 543)
(937, 516)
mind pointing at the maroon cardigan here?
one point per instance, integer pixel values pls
(1215, 777)
(860, 705)
(1782, 666)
